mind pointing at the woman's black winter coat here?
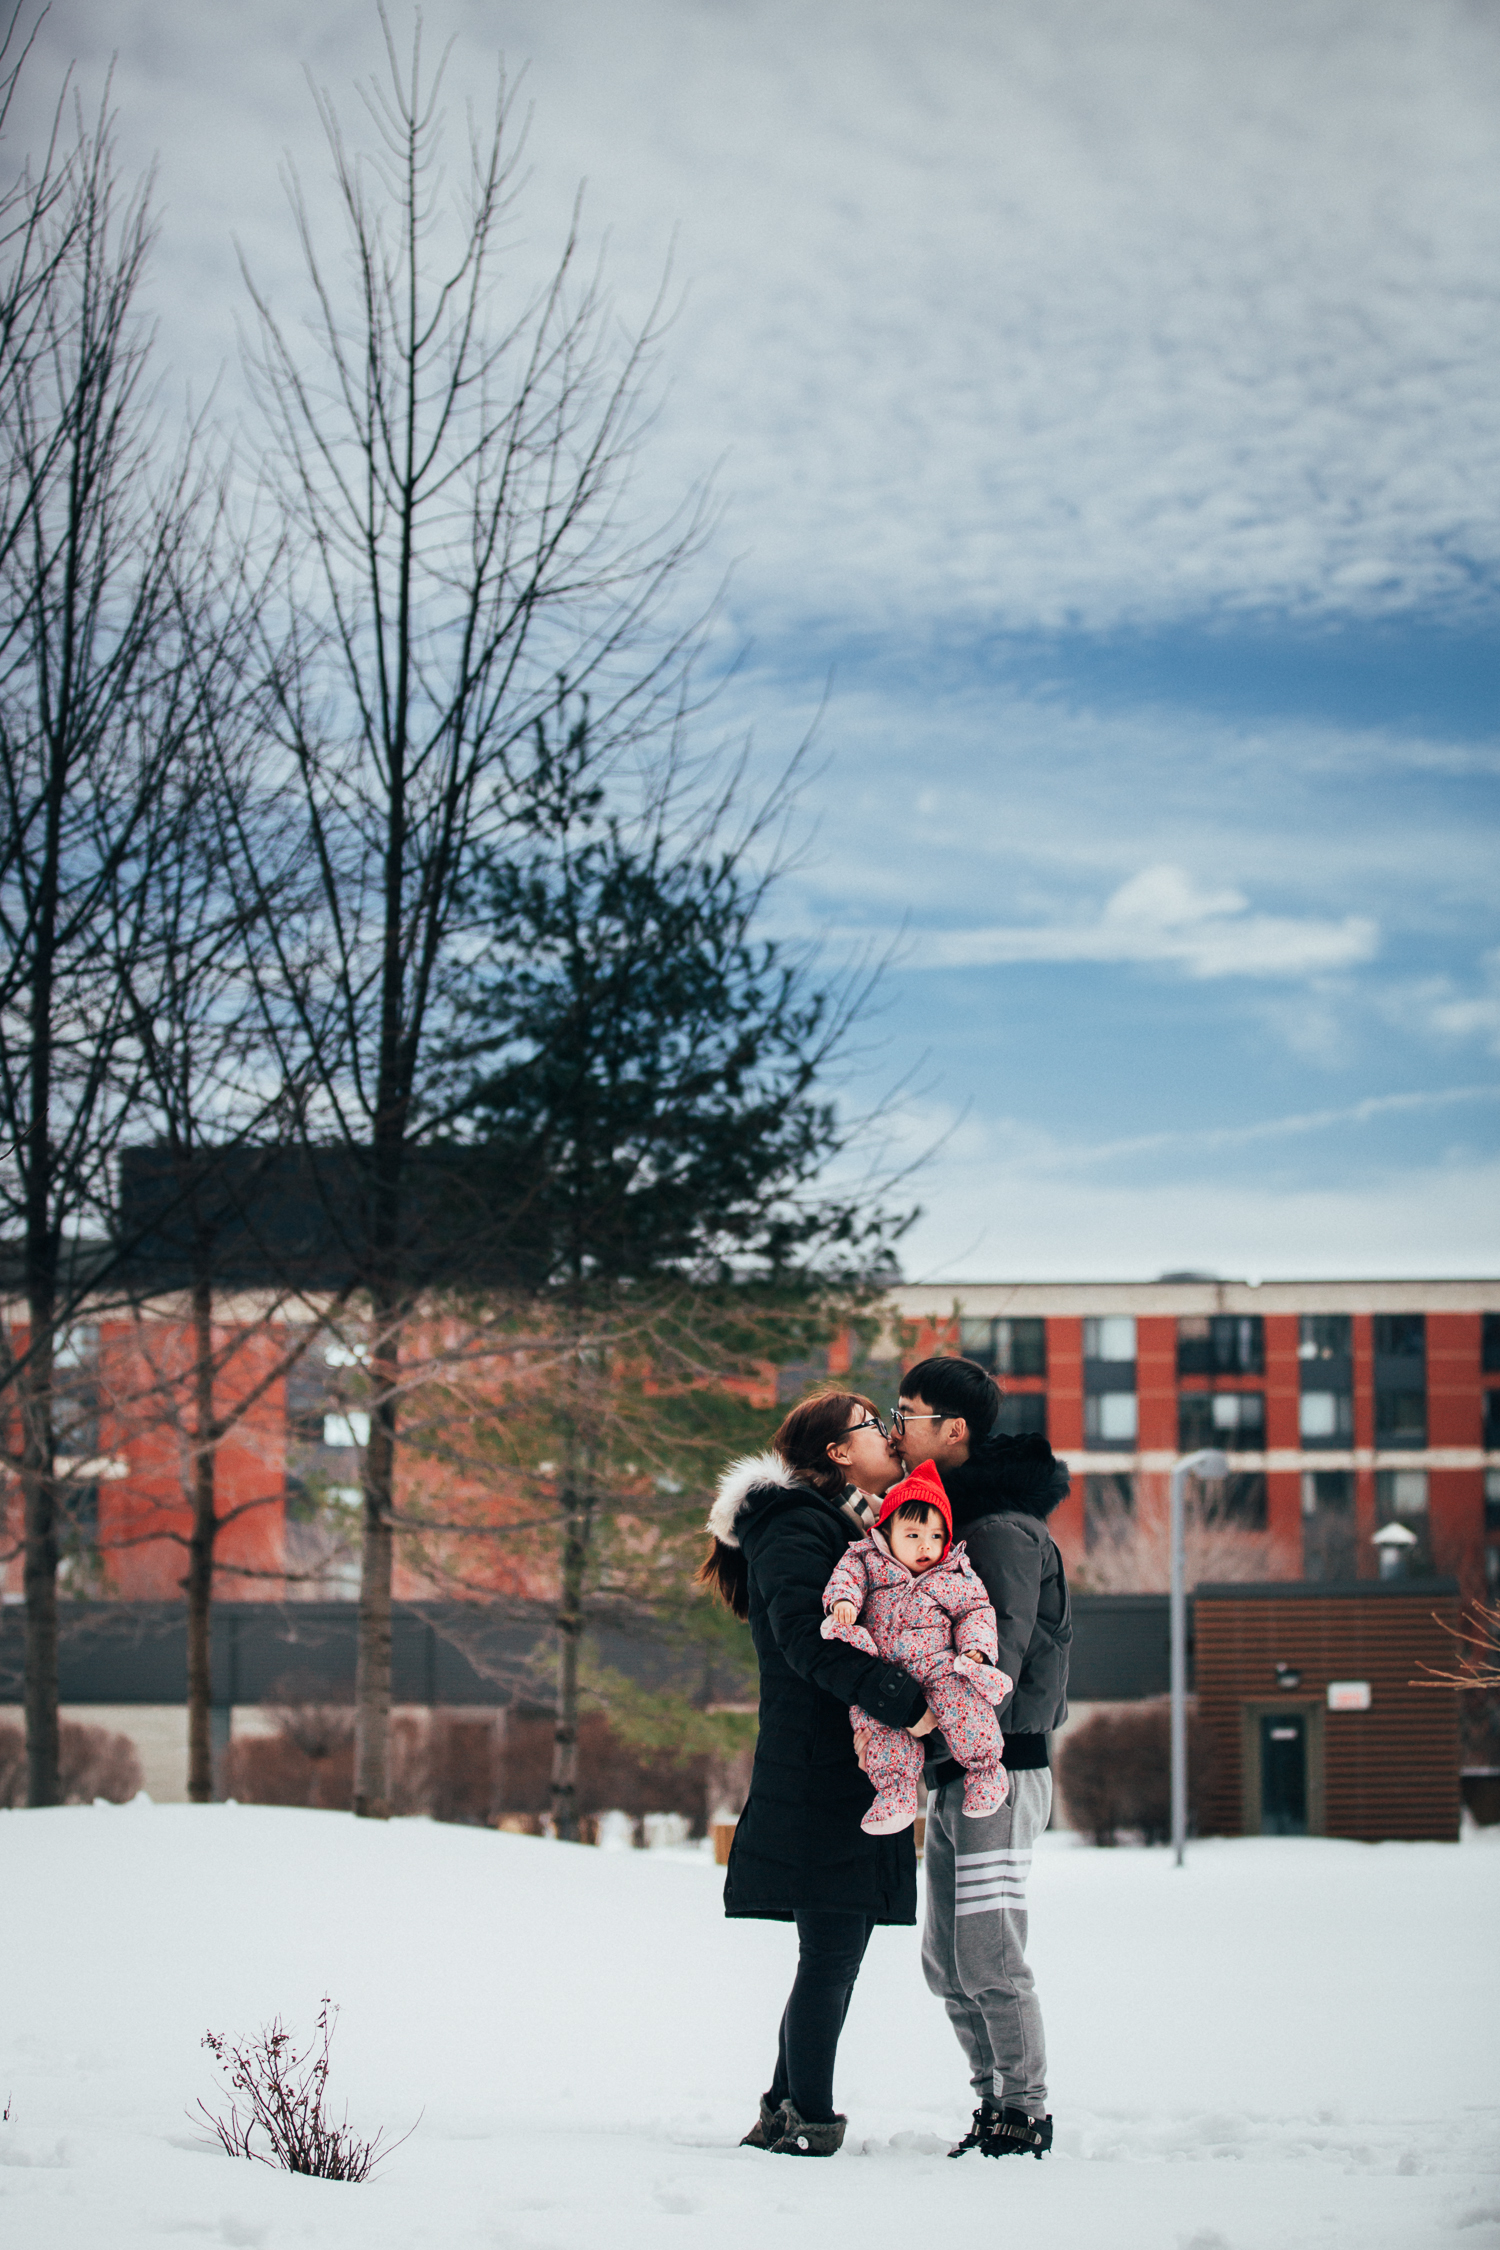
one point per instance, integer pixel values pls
(799, 1842)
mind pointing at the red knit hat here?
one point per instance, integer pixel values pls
(923, 1484)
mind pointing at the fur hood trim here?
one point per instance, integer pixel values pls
(740, 1479)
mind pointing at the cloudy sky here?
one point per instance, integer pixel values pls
(1103, 397)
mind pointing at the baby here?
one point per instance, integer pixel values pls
(907, 1594)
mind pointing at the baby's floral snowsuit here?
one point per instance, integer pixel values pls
(938, 1625)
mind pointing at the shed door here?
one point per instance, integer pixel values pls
(1283, 1773)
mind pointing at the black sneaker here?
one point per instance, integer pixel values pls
(985, 2121)
(1013, 2133)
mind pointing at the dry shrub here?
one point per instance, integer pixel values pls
(1116, 1773)
(285, 2094)
(276, 1769)
(457, 1766)
(92, 1762)
(612, 1776)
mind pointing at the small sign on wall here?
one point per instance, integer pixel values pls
(1348, 1695)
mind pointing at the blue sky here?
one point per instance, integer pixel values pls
(1103, 395)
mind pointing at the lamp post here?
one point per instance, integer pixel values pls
(1208, 1463)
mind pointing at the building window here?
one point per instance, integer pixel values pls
(1401, 1420)
(799, 1376)
(1325, 1336)
(1005, 1347)
(1110, 1340)
(1492, 1533)
(1400, 1380)
(1226, 1344)
(1242, 1501)
(1401, 1335)
(1327, 1418)
(1489, 1349)
(1022, 1414)
(1233, 1420)
(1330, 1548)
(1108, 1510)
(1492, 1421)
(341, 1430)
(1109, 1419)
(1401, 1498)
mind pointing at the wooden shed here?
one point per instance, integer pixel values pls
(1314, 1727)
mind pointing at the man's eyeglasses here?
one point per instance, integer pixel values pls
(900, 1419)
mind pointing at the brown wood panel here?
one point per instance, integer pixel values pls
(1389, 1772)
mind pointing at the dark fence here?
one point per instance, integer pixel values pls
(460, 1653)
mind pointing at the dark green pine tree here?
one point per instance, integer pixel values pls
(648, 1089)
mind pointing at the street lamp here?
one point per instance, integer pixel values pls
(1208, 1463)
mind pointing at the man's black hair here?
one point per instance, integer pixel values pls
(955, 1386)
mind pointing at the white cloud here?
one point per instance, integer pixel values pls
(1004, 314)
(1161, 915)
(1439, 1007)
(1003, 1223)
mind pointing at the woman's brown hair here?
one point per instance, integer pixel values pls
(802, 1443)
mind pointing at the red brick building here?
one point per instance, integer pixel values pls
(1347, 1408)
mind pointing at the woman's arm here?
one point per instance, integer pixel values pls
(791, 1570)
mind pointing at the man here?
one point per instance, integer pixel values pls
(1002, 1490)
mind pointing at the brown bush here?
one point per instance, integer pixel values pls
(277, 1769)
(457, 1766)
(611, 1775)
(92, 1762)
(12, 1767)
(1116, 1773)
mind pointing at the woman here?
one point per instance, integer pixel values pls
(780, 1524)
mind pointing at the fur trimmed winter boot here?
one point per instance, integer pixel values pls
(799, 2138)
(768, 2127)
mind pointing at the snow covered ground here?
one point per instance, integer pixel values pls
(1286, 2044)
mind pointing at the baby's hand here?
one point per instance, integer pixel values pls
(844, 1612)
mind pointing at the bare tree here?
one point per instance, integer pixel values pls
(91, 714)
(1130, 1547)
(212, 1097)
(1476, 1657)
(451, 455)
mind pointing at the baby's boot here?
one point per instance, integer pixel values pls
(893, 1810)
(985, 1791)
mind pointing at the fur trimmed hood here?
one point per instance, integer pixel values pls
(751, 1473)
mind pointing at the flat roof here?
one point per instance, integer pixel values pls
(991, 1299)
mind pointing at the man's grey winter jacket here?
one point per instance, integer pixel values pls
(1022, 1570)
(1001, 1499)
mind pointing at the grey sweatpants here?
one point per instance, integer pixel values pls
(974, 1945)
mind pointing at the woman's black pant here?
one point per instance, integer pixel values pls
(830, 1947)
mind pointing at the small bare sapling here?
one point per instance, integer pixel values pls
(284, 2093)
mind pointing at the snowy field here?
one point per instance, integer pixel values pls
(1287, 2044)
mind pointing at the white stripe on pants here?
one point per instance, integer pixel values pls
(974, 1944)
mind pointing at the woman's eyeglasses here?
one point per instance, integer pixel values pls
(870, 1422)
